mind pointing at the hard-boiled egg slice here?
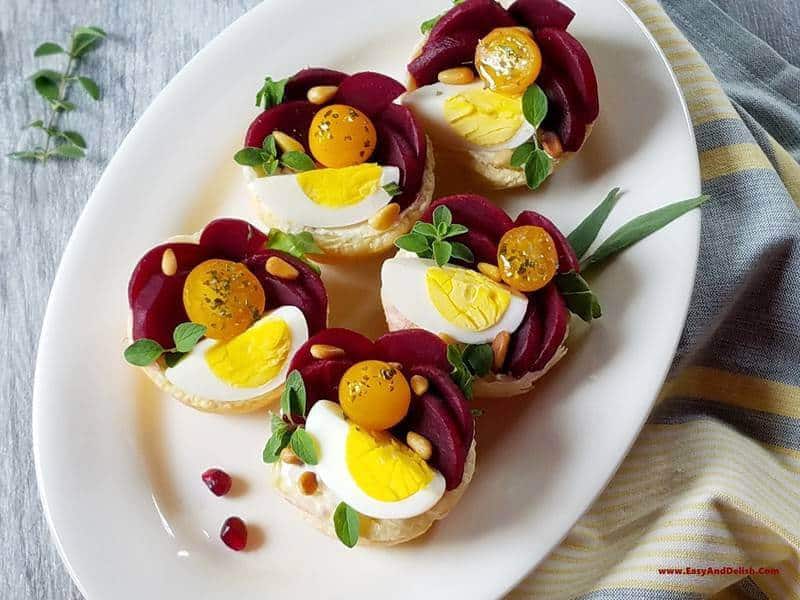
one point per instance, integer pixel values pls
(470, 117)
(249, 365)
(462, 303)
(373, 472)
(325, 197)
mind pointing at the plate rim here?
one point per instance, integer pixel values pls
(693, 219)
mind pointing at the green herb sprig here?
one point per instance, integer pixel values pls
(285, 431)
(346, 522)
(426, 26)
(269, 159)
(431, 240)
(54, 87)
(575, 290)
(271, 93)
(469, 362)
(144, 352)
(536, 163)
(392, 189)
(298, 245)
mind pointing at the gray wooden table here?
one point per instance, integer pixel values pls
(150, 40)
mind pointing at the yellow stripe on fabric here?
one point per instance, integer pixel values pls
(788, 170)
(735, 158)
(743, 391)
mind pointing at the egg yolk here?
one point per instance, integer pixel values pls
(527, 258)
(382, 467)
(254, 357)
(484, 117)
(465, 298)
(508, 60)
(335, 188)
(374, 395)
(224, 296)
(341, 136)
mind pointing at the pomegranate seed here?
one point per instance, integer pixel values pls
(234, 533)
(218, 481)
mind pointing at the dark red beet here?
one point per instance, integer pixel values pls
(322, 379)
(526, 341)
(394, 150)
(483, 248)
(429, 417)
(564, 115)
(298, 85)
(218, 481)
(187, 255)
(475, 212)
(443, 53)
(567, 260)
(369, 92)
(412, 347)
(556, 320)
(356, 346)
(232, 239)
(443, 386)
(307, 292)
(158, 309)
(471, 15)
(292, 118)
(234, 533)
(402, 120)
(535, 14)
(563, 51)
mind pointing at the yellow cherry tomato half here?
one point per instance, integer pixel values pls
(508, 60)
(224, 296)
(527, 258)
(374, 395)
(341, 136)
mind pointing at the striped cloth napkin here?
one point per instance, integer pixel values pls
(711, 490)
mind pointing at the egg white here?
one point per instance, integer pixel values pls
(286, 201)
(193, 375)
(427, 104)
(403, 284)
(327, 424)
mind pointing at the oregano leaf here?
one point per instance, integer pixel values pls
(143, 352)
(534, 105)
(186, 335)
(303, 446)
(346, 523)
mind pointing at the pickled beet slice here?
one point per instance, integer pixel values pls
(293, 118)
(526, 341)
(567, 54)
(232, 239)
(157, 308)
(567, 259)
(447, 389)
(356, 347)
(471, 15)
(369, 92)
(475, 212)
(321, 379)
(394, 150)
(306, 292)
(401, 120)
(443, 53)
(565, 112)
(298, 85)
(187, 256)
(483, 248)
(535, 14)
(429, 416)
(556, 320)
(412, 347)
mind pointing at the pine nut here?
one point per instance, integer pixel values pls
(321, 94)
(551, 144)
(289, 457)
(491, 271)
(500, 349)
(277, 267)
(457, 76)
(419, 444)
(385, 217)
(419, 384)
(307, 482)
(287, 143)
(169, 264)
(324, 351)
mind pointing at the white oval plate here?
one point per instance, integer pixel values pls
(119, 465)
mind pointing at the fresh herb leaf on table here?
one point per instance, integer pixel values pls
(54, 87)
